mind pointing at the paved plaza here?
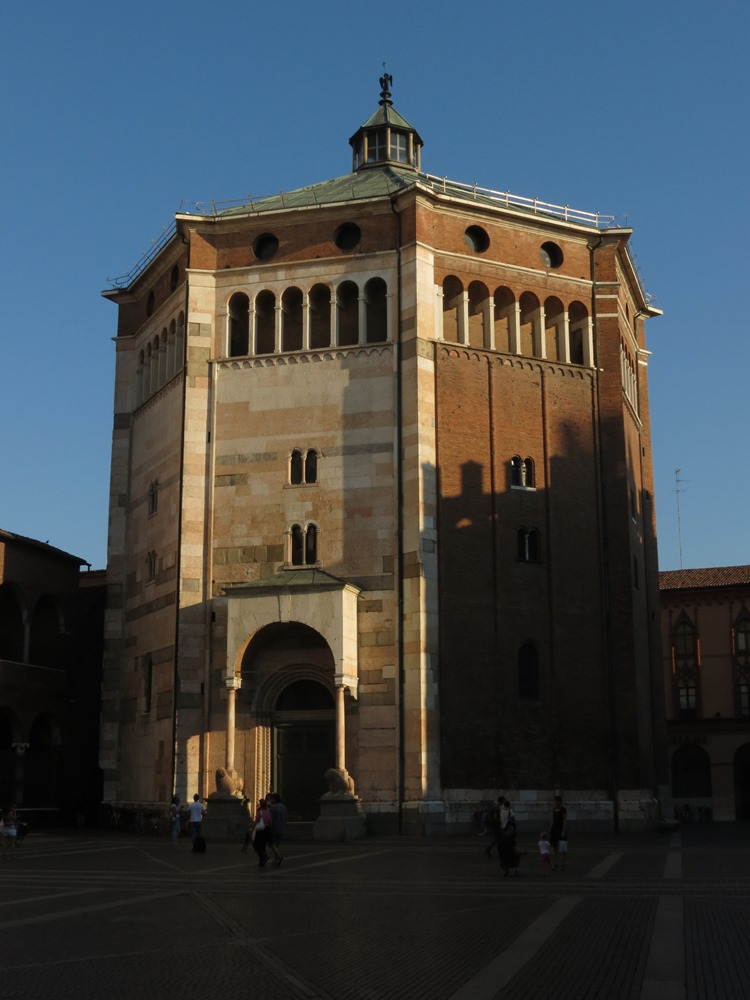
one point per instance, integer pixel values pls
(108, 915)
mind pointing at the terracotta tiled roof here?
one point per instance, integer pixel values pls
(11, 536)
(692, 579)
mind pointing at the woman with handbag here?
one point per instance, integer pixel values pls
(261, 832)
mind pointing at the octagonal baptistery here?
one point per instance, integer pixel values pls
(382, 522)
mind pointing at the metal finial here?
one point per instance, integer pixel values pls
(386, 80)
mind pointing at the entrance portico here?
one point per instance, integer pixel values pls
(292, 651)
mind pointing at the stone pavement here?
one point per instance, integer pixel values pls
(92, 914)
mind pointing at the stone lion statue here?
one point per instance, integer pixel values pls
(229, 782)
(340, 783)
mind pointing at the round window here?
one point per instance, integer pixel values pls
(347, 237)
(476, 239)
(551, 254)
(265, 246)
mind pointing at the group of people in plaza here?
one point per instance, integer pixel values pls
(552, 844)
(266, 830)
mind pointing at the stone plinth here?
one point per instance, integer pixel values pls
(226, 818)
(341, 818)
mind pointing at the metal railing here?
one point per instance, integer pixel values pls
(443, 184)
(142, 263)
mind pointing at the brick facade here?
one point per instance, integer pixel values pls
(456, 335)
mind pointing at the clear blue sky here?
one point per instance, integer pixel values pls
(115, 116)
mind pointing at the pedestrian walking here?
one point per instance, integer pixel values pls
(10, 833)
(507, 850)
(277, 810)
(261, 831)
(174, 818)
(493, 822)
(559, 834)
(545, 849)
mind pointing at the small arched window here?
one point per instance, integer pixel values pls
(150, 566)
(304, 545)
(153, 497)
(528, 545)
(303, 467)
(295, 467)
(239, 325)
(311, 545)
(298, 545)
(522, 473)
(311, 466)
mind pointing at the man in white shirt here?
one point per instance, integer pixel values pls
(196, 809)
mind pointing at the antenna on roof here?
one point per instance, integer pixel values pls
(677, 491)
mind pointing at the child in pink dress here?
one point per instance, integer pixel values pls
(545, 849)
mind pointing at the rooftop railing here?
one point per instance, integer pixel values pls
(535, 205)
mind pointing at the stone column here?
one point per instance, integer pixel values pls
(340, 728)
(233, 686)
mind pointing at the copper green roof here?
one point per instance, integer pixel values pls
(373, 183)
(382, 181)
(387, 115)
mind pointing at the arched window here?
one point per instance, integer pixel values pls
(554, 330)
(291, 320)
(685, 668)
(163, 357)
(376, 306)
(504, 319)
(153, 497)
(530, 321)
(741, 644)
(239, 325)
(303, 467)
(479, 315)
(311, 545)
(320, 316)
(298, 545)
(295, 467)
(578, 334)
(139, 377)
(528, 545)
(179, 347)
(528, 673)
(347, 297)
(265, 323)
(311, 466)
(304, 545)
(522, 473)
(453, 297)
(171, 349)
(150, 567)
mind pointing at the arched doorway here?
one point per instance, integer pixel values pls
(742, 782)
(288, 682)
(303, 746)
